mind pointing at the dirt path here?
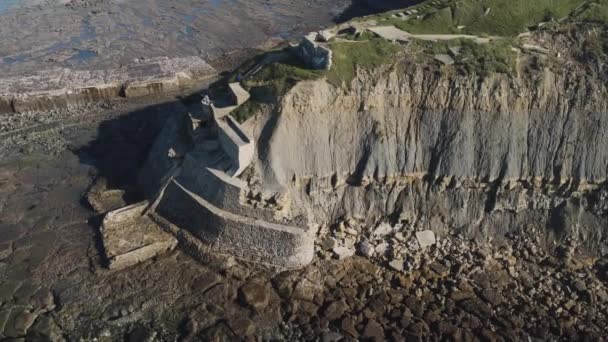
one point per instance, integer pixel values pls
(393, 33)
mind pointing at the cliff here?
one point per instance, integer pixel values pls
(483, 154)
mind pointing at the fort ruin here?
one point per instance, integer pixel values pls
(196, 198)
(195, 195)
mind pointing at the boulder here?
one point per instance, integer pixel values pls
(325, 35)
(343, 252)
(425, 238)
(255, 294)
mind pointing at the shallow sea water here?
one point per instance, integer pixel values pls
(42, 34)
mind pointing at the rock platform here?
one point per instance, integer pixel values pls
(63, 87)
(129, 237)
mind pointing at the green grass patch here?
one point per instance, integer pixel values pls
(439, 21)
(348, 56)
(491, 17)
(595, 11)
(271, 82)
(245, 111)
(276, 79)
(483, 59)
(494, 57)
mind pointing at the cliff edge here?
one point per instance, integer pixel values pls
(479, 147)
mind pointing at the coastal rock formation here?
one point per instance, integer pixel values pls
(63, 87)
(483, 155)
(432, 148)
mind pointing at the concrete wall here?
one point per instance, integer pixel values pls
(6, 105)
(208, 202)
(282, 246)
(238, 94)
(83, 96)
(313, 54)
(221, 190)
(236, 143)
(58, 99)
(147, 88)
(158, 163)
(41, 102)
(213, 185)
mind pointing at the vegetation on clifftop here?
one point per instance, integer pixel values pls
(271, 82)
(484, 17)
(348, 56)
(497, 56)
(595, 11)
(276, 78)
(503, 18)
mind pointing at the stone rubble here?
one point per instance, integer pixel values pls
(447, 287)
(343, 252)
(425, 238)
(22, 305)
(255, 294)
(444, 59)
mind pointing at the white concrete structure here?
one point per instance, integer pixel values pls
(238, 93)
(237, 145)
(393, 33)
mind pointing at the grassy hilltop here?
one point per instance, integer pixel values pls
(496, 17)
(503, 20)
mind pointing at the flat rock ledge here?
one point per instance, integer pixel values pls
(63, 87)
(129, 237)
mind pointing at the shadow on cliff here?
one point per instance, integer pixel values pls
(264, 141)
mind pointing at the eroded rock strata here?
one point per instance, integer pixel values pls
(483, 155)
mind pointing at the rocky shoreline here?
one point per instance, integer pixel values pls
(455, 288)
(61, 88)
(438, 245)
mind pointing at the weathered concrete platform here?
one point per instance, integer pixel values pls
(393, 33)
(62, 87)
(130, 237)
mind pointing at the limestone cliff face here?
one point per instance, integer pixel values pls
(484, 155)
